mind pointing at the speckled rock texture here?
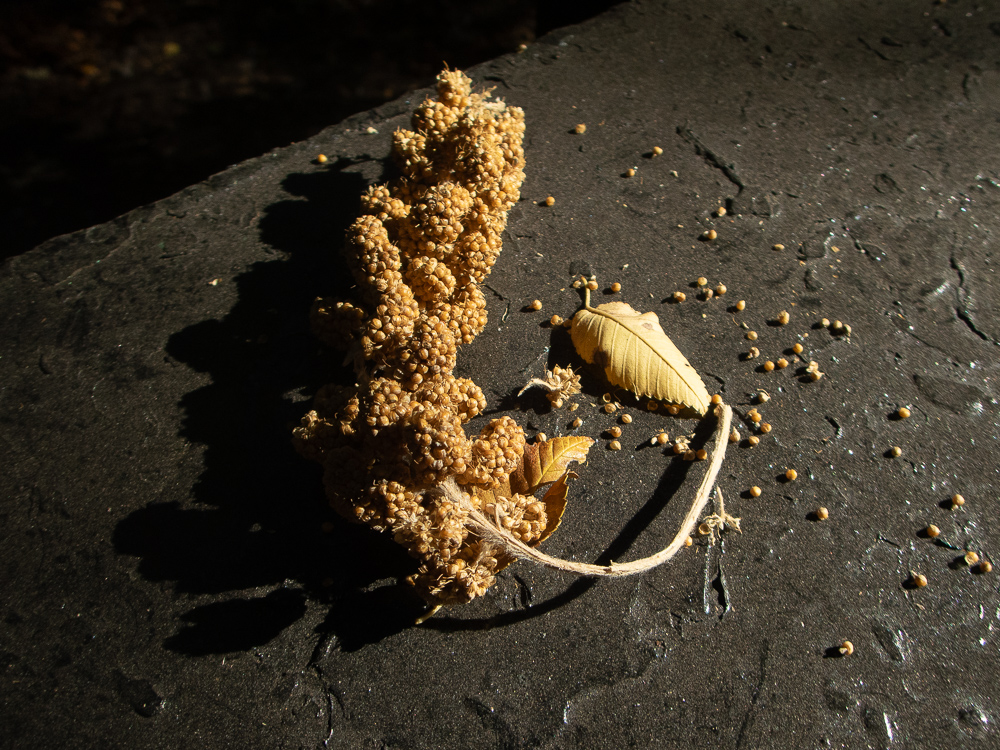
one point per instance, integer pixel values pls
(173, 577)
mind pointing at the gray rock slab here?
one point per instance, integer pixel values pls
(168, 579)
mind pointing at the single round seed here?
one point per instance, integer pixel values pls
(578, 283)
(701, 281)
(556, 320)
(536, 305)
(985, 566)
(768, 366)
(616, 287)
(919, 580)
(778, 246)
(752, 335)
(720, 211)
(558, 403)
(679, 296)
(574, 407)
(615, 445)
(932, 531)
(822, 513)
(657, 151)
(903, 413)
(581, 128)
(711, 234)
(753, 440)
(615, 431)
(592, 285)
(652, 405)
(609, 408)
(606, 398)
(704, 529)
(627, 418)
(673, 410)
(755, 491)
(754, 416)
(688, 542)
(550, 201)
(701, 455)
(753, 353)
(720, 289)
(577, 422)
(689, 455)
(837, 326)
(321, 159)
(971, 558)
(815, 375)
(662, 438)
(708, 294)
(957, 501)
(765, 428)
(679, 448)
(630, 172)
(896, 451)
(791, 475)
(784, 317)
(716, 399)
(847, 330)
(741, 305)
(541, 437)
(782, 363)
(762, 397)
(824, 323)
(846, 648)
(797, 348)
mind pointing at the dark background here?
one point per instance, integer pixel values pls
(106, 105)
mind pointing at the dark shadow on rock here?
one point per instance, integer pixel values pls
(262, 514)
(670, 483)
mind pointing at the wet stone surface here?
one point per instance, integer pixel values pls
(174, 577)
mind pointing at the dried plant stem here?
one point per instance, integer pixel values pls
(488, 530)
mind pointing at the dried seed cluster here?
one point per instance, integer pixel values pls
(418, 253)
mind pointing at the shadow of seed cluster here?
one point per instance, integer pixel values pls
(418, 253)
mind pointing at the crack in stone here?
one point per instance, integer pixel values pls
(711, 158)
(960, 309)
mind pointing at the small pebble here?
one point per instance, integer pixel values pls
(822, 513)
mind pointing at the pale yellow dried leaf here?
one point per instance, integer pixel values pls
(636, 354)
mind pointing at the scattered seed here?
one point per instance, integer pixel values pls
(701, 455)
(824, 323)
(783, 317)
(615, 445)
(846, 648)
(918, 579)
(778, 246)
(768, 366)
(896, 451)
(753, 440)
(679, 448)
(755, 491)
(734, 436)
(755, 416)
(630, 172)
(791, 475)
(578, 283)
(657, 151)
(765, 428)
(688, 542)
(662, 438)
(558, 403)
(971, 558)
(720, 211)
(957, 501)
(708, 294)
(753, 353)
(701, 281)
(822, 513)
(321, 159)
(550, 201)
(616, 287)
(541, 437)
(797, 348)
(606, 398)
(932, 531)
(573, 407)
(847, 330)
(903, 413)
(752, 335)
(609, 408)
(704, 529)
(581, 128)
(815, 374)
(711, 234)
(720, 290)
(679, 296)
(782, 363)
(652, 405)
(741, 305)
(689, 455)
(556, 320)
(615, 431)
(627, 418)
(536, 305)
(673, 410)
(837, 326)
(592, 285)
(985, 566)
(716, 399)
(763, 397)
(577, 422)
